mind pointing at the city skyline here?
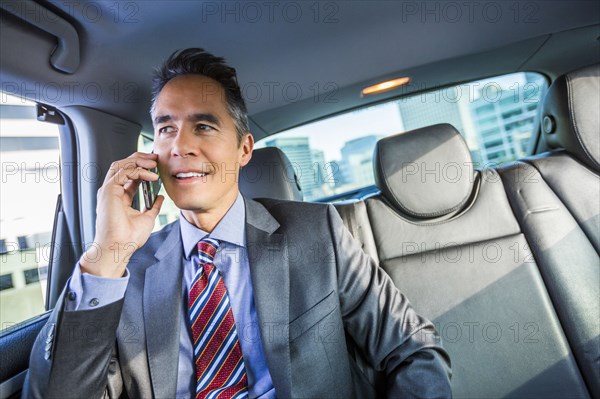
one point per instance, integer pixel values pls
(496, 121)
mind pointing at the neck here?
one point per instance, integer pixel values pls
(207, 219)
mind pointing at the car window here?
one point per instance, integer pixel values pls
(30, 187)
(168, 211)
(496, 116)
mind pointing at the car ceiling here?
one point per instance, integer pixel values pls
(286, 51)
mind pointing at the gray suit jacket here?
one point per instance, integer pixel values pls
(313, 289)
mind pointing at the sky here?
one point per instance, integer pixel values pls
(329, 135)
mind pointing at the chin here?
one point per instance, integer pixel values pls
(186, 201)
(191, 204)
(197, 199)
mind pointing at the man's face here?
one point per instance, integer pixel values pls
(195, 138)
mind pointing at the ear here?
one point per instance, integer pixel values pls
(246, 146)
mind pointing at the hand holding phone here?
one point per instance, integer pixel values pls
(118, 227)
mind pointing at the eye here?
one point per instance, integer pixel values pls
(204, 127)
(166, 129)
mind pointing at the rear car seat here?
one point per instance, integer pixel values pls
(448, 238)
(270, 174)
(556, 197)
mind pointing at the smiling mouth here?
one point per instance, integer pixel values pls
(189, 175)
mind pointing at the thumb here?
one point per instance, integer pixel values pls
(153, 212)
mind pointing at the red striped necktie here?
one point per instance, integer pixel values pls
(220, 371)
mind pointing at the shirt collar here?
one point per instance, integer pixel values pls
(231, 228)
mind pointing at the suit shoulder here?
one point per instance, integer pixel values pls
(292, 206)
(295, 214)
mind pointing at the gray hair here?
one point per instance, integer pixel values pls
(196, 61)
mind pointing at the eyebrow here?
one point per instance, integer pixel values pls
(201, 117)
(211, 118)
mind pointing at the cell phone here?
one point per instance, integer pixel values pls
(150, 190)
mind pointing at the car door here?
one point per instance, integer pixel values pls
(39, 237)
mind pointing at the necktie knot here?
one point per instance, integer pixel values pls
(207, 248)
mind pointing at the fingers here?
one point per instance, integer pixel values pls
(127, 165)
(133, 173)
(131, 189)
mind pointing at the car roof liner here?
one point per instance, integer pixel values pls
(65, 56)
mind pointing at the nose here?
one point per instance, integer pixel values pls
(183, 145)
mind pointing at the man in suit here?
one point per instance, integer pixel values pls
(238, 298)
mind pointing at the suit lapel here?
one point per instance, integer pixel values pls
(162, 303)
(267, 255)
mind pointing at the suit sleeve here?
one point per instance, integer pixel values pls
(75, 354)
(392, 336)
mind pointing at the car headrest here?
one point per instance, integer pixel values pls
(570, 118)
(425, 173)
(270, 174)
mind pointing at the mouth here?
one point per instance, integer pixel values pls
(189, 175)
